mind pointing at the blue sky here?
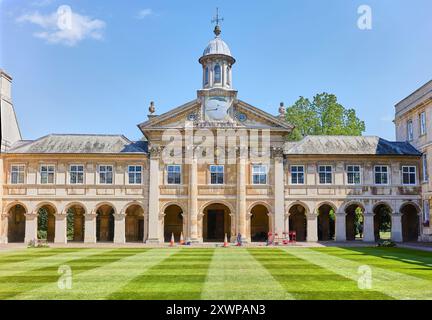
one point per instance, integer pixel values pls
(101, 77)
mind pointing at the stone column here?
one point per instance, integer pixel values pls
(192, 201)
(241, 198)
(368, 227)
(119, 228)
(4, 227)
(30, 227)
(60, 235)
(154, 224)
(340, 227)
(279, 192)
(145, 227)
(286, 223)
(396, 227)
(90, 228)
(312, 227)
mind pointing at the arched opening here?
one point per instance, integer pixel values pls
(206, 76)
(259, 223)
(173, 222)
(75, 223)
(216, 223)
(354, 221)
(105, 223)
(326, 223)
(46, 223)
(410, 223)
(298, 222)
(217, 74)
(16, 223)
(382, 222)
(134, 223)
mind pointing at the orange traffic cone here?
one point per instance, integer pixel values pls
(172, 240)
(225, 241)
(181, 239)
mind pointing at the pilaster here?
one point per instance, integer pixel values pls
(154, 223)
(119, 228)
(90, 228)
(368, 227)
(279, 190)
(396, 227)
(30, 227)
(312, 227)
(60, 235)
(340, 227)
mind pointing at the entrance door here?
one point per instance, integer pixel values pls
(215, 225)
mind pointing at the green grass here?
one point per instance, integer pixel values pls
(216, 273)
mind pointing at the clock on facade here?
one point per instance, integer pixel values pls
(217, 108)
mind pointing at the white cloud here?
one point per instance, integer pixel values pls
(145, 13)
(65, 26)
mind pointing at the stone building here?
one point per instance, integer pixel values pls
(414, 124)
(212, 166)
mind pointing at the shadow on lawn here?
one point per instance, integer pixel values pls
(404, 255)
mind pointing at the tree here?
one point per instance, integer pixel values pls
(322, 116)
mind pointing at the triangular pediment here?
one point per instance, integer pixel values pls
(245, 116)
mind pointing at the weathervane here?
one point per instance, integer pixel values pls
(216, 20)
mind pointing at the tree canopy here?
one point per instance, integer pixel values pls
(322, 116)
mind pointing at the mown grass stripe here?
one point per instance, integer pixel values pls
(234, 274)
(36, 260)
(394, 284)
(29, 284)
(407, 261)
(181, 276)
(104, 278)
(306, 280)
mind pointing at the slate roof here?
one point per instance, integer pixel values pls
(80, 143)
(349, 145)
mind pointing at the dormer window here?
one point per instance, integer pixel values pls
(217, 74)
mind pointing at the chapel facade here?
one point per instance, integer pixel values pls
(211, 167)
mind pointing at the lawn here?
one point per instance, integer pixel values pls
(216, 273)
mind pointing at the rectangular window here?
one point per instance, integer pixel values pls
(174, 174)
(353, 174)
(135, 174)
(47, 174)
(297, 174)
(410, 132)
(17, 174)
(381, 175)
(105, 174)
(259, 174)
(408, 175)
(325, 174)
(76, 174)
(423, 123)
(426, 211)
(425, 168)
(216, 174)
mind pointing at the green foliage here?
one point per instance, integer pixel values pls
(42, 221)
(70, 225)
(386, 243)
(322, 116)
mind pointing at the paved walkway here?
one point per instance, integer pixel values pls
(417, 246)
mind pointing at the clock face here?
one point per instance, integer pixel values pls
(217, 108)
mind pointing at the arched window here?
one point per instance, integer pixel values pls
(206, 75)
(217, 74)
(228, 75)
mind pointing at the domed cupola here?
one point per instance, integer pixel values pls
(217, 62)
